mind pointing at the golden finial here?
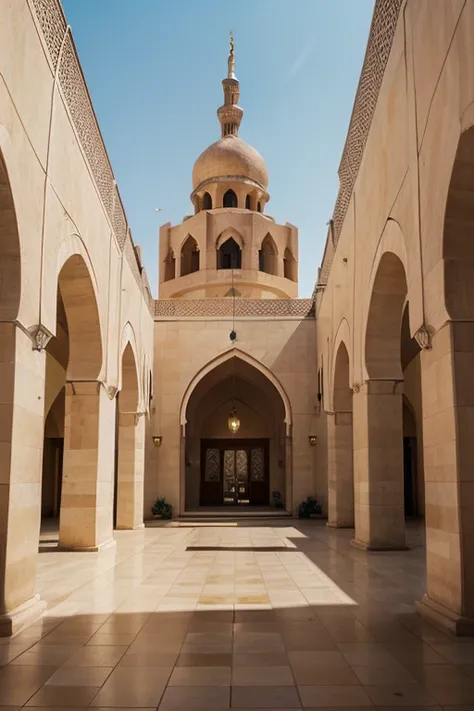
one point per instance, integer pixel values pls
(231, 60)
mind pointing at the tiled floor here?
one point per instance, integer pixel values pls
(186, 618)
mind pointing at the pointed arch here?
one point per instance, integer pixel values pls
(226, 234)
(189, 256)
(206, 201)
(343, 335)
(250, 360)
(230, 199)
(268, 256)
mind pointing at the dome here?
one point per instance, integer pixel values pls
(230, 156)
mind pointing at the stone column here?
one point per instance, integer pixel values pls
(86, 515)
(378, 466)
(448, 442)
(130, 470)
(340, 470)
(22, 383)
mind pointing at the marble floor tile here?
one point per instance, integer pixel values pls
(316, 625)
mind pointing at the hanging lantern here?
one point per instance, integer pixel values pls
(233, 422)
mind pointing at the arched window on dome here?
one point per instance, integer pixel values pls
(267, 256)
(206, 202)
(189, 256)
(170, 266)
(259, 206)
(247, 203)
(230, 199)
(229, 255)
(290, 268)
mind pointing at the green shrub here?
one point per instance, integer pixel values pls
(162, 509)
(309, 507)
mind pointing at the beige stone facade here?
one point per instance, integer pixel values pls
(394, 300)
(228, 392)
(75, 310)
(230, 334)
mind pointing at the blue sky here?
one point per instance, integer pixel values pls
(154, 71)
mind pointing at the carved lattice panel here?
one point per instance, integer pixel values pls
(212, 469)
(257, 469)
(241, 465)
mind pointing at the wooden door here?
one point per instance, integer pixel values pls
(234, 472)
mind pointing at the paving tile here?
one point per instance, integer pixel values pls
(198, 698)
(400, 695)
(19, 683)
(133, 686)
(204, 660)
(262, 676)
(79, 676)
(96, 656)
(200, 676)
(260, 659)
(63, 697)
(258, 642)
(333, 696)
(265, 697)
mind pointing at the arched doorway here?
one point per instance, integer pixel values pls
(128, 494)
(229, 255)
(340, 447)
(378, 422)
(75, 360)
(241, 469)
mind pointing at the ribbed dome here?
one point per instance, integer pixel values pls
(230, 156)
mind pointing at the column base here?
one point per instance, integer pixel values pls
(445, 618)
(334, 524)
(22, 616)
(137, 527)
(361, 545)
(88, 549)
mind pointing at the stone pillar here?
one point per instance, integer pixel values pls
(22, 383)
(131, 451)
(448, 442)
(340, 470)
(86, 515)
(378, 466)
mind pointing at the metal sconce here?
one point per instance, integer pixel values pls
(312, 440)
(157, 439)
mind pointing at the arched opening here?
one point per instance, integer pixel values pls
(230, 199)
(78, 336)
(290, 269)
(128, 499)
(170, 266)
(229, 255)
(340, 447)
(259, 206)
(267, 256)
(189, 256)
(412, 413)
(206, 202)
(448, 410)
(243, 468)
(379, 511)
(57, 358)
(248, 202)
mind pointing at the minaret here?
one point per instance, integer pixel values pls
(230, 114)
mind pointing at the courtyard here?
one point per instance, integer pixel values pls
(249, 614)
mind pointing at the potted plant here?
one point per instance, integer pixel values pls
(309, 507)
(277, 501)
(161, 509)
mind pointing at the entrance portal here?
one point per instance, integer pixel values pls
(240, 468)
(234, 472)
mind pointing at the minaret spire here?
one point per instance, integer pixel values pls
(230, 114)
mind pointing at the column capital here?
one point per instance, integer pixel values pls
(424, 337)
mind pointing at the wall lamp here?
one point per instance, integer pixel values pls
(157, 440)
(312, 440)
